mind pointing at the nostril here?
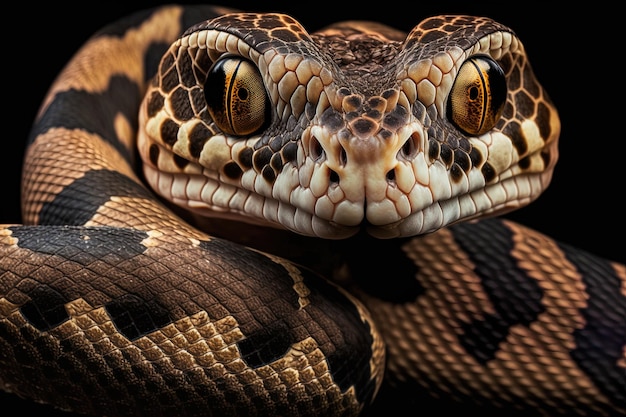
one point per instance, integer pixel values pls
(315, 149)
(343, 157)
(334, 177)
(410, 147)
(407, 148)
(391, 175)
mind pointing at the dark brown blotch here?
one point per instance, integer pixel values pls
(434, 149)
(388, 94)
(276, 143)
(524, 104)
(452, 141)
(546, 157)
(332, 120)
(445, 154)
(180, 161)
(155, 103)
(262, 158)
(376, 103)
(232, 170)
(462, 160)
(465, 144)
(344, 92)
(396, 118)
(169, 80)
(168, 63)
(363, 126)
(198, 101)
(373, 114)
(310, 110)
(456, 172)
(181, 104)
(524, 163)
(543, 120)
(154, 152)
(202, 63)
(198, 136)
(476, 157)
(514, 131)
(285, 35)
(169, 132)
(187, 76)
(289, 152)
(352, 103)
(385, 134)
(269, 174)
(530, 82)
(277, 162)
(488, 172)
(245, 157)
(352, 115)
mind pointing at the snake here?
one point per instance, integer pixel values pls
(225, 214)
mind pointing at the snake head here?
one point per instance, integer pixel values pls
(357, 126)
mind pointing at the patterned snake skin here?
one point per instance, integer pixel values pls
(185, 154)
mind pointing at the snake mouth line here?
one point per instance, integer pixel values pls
(235, 204)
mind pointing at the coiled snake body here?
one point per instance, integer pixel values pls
(114, 301)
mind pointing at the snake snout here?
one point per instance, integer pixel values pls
(363, 174)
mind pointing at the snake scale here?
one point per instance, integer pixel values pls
(193, 174)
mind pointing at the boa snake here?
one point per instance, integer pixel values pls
(116, 304)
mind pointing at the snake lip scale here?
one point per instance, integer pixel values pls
(226, 214)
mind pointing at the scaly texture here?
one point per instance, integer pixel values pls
(194, 172)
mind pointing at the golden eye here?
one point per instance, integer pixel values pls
(236, 97)
(478, 96)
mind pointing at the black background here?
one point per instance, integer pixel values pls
(576, 53)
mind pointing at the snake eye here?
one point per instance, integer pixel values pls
(478, 96)
(236, 96)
